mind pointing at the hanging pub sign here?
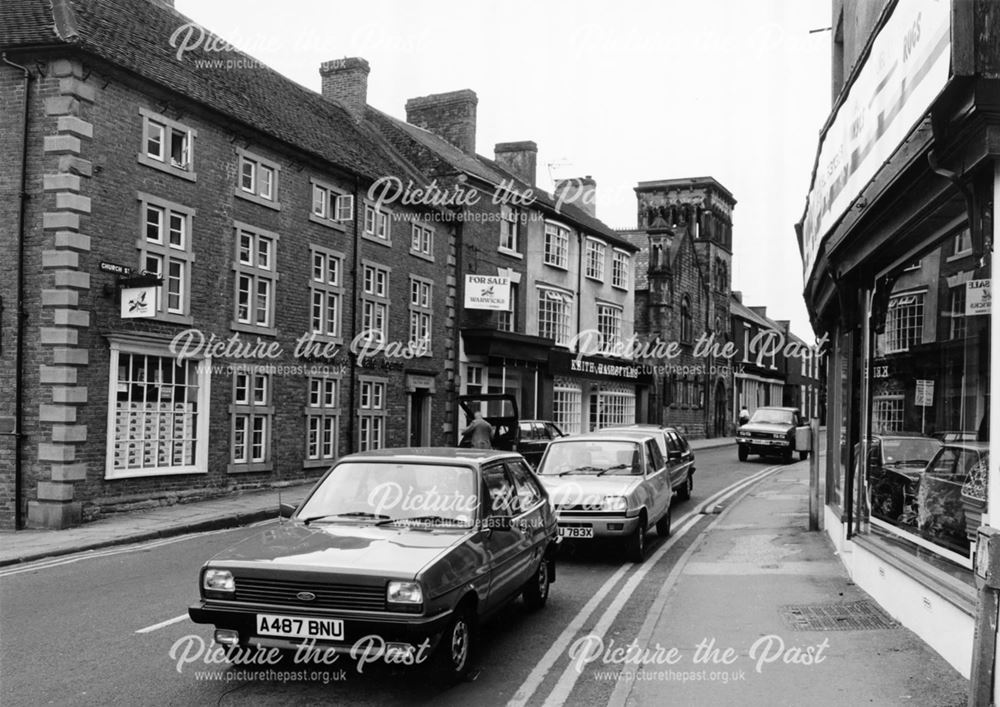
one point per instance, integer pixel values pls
(138, 295)
(977, 297)
(487, 292)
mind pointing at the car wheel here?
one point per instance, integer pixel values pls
(453, 657)
(743, 453)
(684, 492)
(663, 525)
(536, 591)
(787, 456)
(803, 456)
(635, 544)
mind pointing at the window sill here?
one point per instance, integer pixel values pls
(257, 199)
(623, 288)
(958, 256)
(421, 255)
(115, 474)
(248, 468)
(335, 225)
(251, 329)
(375, 239)
(557, 267)
(317, 463)
(169, 169)
(595, 279)
(510, 253)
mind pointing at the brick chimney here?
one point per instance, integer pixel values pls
(738, 296)
(579, 191)
(518, 158)
(759, 311)
(451, 116)
(345, 81)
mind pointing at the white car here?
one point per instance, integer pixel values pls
(608, 484)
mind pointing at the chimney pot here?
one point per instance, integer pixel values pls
(345, 81)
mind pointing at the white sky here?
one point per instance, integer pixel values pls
(622, 90)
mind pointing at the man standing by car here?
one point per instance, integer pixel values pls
(744, 415)
(479, 432)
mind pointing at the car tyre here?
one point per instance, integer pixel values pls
(536, 591)
(663, 524)
(452, 660)
(787, 455)
(684, 492)
(635, 544)
(803, 456)
(742, 453)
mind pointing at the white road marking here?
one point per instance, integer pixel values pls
(163, 624)
(558, 648)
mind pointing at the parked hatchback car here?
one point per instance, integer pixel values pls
(770, 432)
(894, 464)
(415, 546)
(609, 484)
(535, 436)
(676, 450)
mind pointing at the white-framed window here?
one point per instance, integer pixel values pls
(257, 179)
(509, 224)
(330, 205)
(609, 326)
(326, 291)
(421, 314)
(613, 407)
(904, 322)
(167, 145)
(596, 254)
(567, 408)
(887, 414)
(555, 309)
(961, 243)
(378, 224)
(371, 413)
(620, 269)
(256, 275)
(422, 240)
(507, 321)
(375, 301)
(473, 379)
(252, 414)
(957, 313)
(556, 245)
(157, 411)
(165, 250)
(322, 419)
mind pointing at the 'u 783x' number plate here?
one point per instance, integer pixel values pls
(299, 627)
(576, 531)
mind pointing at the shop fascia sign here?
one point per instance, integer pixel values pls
(905, 71)
(487, 292)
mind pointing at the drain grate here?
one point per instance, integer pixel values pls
(844, 616)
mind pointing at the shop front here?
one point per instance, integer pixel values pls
(897, 247)
(593, 392)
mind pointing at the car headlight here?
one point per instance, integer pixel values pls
(218, 582)
(406, 593)
(742, 433)
(777, 435)
(614, 503)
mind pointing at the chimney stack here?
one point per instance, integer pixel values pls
(579, 191)
(518, 158)
(345, 81)
(738, 296)
(451, 116)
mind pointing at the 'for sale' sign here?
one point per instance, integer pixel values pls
(977, 297)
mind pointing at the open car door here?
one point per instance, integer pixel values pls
(500, 410)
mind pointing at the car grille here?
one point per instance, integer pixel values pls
(584, 510)
(762, 435)
(328, 596)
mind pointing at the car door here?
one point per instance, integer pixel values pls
(679, 459)
(506, 544)
(657, 480)
(534, 509)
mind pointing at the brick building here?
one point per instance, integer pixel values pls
(240, 198)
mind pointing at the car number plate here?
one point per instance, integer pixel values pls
(576, 532)
(299, 627)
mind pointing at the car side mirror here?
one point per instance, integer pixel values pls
(285, 510)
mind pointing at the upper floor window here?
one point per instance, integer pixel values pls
(257, 179)
(958, 321)
(167, 145)
(595, 259)
(687, 321)
(375, 302)
(165, 250)
(554, 311)
(378, 224)
(330, 205)
(326, 291)
(609, 325)
(962, 242)
(509, 219)
(256, 274)
(421, 313)
(904, 322)
(619, 269)
(422, 241)
(556, 245)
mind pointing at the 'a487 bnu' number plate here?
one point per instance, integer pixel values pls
(299, 627)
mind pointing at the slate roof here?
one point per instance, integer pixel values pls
(135, 35)
(438, 156)
(738, 309)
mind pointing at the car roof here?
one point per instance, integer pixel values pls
(968, 445)
(777, 407)
(608, 435)
(644, 426)
(428, 455)
(904, 435)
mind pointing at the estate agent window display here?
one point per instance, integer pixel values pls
(922, 487)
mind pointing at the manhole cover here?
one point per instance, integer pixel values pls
(849, 616)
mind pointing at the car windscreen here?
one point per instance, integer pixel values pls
(593, 457)
(777, 417)
(917, 451)
(395, 492)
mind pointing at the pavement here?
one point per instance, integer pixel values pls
(168, 521)
(760, 611)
